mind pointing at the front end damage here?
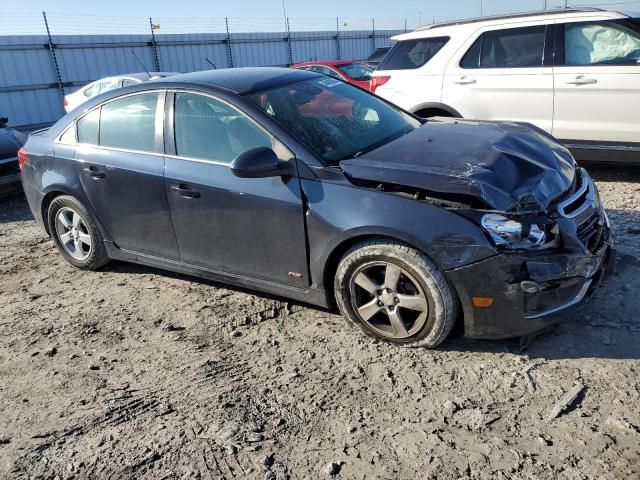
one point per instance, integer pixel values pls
(540, 212)
(531, 289)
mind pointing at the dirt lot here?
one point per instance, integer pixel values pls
(136, 373)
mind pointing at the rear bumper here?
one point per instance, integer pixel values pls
(530, 291)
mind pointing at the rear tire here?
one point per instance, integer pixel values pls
(75, 234)
(395, 293)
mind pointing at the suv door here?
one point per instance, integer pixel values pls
(597, 82)
(252, 227)
(503, 74)
(120, 165)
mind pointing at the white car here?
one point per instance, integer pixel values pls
(572, 72)
(103, 85)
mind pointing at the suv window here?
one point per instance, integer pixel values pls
(208, 129)
(602, 43)
(410, 54)
(129, 123)
(510, 48)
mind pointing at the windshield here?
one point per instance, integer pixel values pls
(356, 71)
(332, 118)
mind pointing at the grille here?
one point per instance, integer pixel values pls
(591, 232)
(583, 206)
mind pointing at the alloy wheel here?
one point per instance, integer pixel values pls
(73, 234)
(388, 300)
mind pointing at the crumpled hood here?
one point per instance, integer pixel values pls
(509, 166)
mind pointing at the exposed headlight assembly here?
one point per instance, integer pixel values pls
(511, 234)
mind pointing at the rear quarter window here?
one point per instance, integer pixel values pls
(412, 54)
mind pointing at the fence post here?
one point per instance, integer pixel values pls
(154, 45)
(373, 33)
(229, 48)
(338, 49)
(289, 42)
(52, 52)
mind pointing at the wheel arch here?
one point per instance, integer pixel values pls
(435, 107)
(50, 194)
(338, 251)
(54, 191)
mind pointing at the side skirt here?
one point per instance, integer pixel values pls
(604, 153)
(309, 296)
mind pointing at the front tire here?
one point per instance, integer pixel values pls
(394, 293)
(75, 234)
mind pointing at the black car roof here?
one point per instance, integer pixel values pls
(241, 80)
(145, 76)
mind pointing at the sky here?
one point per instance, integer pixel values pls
(82, 16)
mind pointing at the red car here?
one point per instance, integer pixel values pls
(347, 70)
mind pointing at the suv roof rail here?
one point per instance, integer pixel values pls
(552, 11)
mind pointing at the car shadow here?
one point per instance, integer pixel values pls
(120, 267)
(601, 172)
(14, 208)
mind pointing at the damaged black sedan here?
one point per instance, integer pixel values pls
(299, 185)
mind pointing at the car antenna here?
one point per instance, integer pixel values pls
(141, 64)
(211, 63)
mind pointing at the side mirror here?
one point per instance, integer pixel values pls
(3, 121)
(258, 163)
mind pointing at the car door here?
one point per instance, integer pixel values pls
(251, 227)
(597, 82)
(503, 74)
(121, 166)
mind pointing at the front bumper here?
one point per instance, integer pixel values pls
(530, 291)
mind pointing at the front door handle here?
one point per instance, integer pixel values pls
(94, 172)
(464, 81)
(183, 191)
(582, 81)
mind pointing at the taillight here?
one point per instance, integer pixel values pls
(22, 157)
(376, 82)
(66, 104)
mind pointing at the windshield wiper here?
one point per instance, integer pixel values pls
(380, 143)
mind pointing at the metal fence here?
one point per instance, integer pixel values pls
(37, 70)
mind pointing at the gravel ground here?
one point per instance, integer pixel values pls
(131, 372)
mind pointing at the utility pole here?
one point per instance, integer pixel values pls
(481, 9)
(420, 21)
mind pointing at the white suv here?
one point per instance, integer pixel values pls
(573, 72)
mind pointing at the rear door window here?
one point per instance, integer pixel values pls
(602, 43)
(509, 48)
(129, 123)
(411, 54)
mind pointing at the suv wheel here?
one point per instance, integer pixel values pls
(75, 233)
(395, 293)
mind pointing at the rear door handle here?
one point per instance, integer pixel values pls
(183, 191)
(465, 81)
(94, 172)
(582, 81)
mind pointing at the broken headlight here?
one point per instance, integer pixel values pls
(512, 234)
